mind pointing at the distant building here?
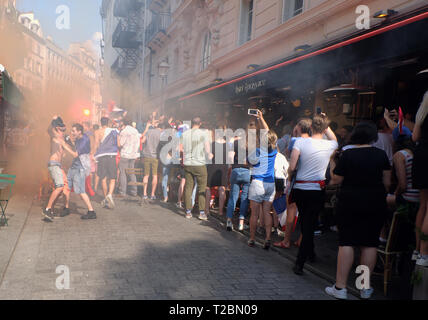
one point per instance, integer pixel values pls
(46, 69)
(122, 54)
(220, 57)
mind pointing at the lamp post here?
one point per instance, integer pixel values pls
(163, 74)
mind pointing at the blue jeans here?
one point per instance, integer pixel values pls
(165, 174)
(240, 177)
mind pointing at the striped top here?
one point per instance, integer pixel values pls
(411, 195)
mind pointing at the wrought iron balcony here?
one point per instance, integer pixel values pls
(160, 23)
(156, 5)
(125, 38)
(121, 67)
(122, 8)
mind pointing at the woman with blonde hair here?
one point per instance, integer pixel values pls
(420, 178)
(262, 187)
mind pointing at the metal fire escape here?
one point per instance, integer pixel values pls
(127, 37)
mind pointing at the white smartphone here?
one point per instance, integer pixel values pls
(252, 112)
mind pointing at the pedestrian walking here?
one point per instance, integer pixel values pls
(196, 144)
(364, 173)
(151, 139)
(262, 187)
(313, 155)
(106, 141)
(56, 132)
(129, 145)
(217, 174)
(80, 167)
(420, 177)
(301, 130)
(240, 179)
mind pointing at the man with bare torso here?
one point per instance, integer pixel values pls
(56, 131)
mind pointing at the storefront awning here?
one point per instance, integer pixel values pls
(393, 40)
(9, 92)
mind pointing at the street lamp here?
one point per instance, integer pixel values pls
(163, 74)
(163, 69)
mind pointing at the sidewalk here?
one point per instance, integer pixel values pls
(16, 213)
(326, 246)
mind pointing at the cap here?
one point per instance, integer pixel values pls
(405, 132)
(57, 123)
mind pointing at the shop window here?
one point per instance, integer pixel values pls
(291, 8)
(246, 21)
(206, 51)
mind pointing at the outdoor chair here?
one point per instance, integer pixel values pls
(6, 184)
(137, 172)
(394, 247)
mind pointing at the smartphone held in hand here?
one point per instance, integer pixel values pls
(252, 112)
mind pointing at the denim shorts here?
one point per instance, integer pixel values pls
(261, 191)
(76, 179)
(57, 175)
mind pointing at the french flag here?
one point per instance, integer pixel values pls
(400, 120)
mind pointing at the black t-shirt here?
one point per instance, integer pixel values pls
(216, 146)
(240, 157)
(362, 168)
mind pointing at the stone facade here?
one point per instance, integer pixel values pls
(275, 33)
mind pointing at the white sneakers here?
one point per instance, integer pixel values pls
(110, 201)
(422, 261)
(342, 294)
(338, 294)
(366, 293)
(415, 255)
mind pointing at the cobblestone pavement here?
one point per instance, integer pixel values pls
(149, 252)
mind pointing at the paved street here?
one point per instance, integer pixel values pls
(146, 252)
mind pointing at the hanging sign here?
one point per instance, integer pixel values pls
(249, 86)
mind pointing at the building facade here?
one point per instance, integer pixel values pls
(31, 76)
(122, 53)
(51, 78)
(223, 56)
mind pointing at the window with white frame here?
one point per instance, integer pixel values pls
(206, 51)
(246, 21)
(291, 8)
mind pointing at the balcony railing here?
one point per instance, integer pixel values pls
(122, 8)
(160, 23)
(121, 68)
(125, 38)
(156, 5)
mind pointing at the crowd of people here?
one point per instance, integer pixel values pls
(274, 179)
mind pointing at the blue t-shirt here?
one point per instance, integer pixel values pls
(264, 169)
(83, 146)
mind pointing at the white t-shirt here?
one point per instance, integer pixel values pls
(384, 143)
(281, 167)
(313, 161)
(194, 146)
(129, 139)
